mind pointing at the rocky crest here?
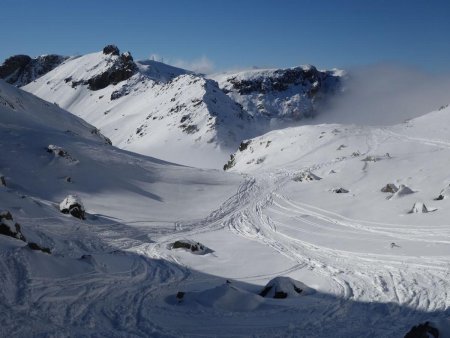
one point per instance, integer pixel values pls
(20, 70)
(121, 67)
(292, 92)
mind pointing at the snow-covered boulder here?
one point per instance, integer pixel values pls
(421, 208)
(8, 227)
(225, 297)
(390, 188)
(191, 246)
(403, 190)
(72, 205)
(284, 287)
(445, 193)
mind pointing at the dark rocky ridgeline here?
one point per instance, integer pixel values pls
(282, 79)
(20, 70)
(293, 92)
(122, 67)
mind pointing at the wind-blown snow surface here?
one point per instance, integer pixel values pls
(114, 273)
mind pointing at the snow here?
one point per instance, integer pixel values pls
(162, 111)
(376, 269)
(179, 116)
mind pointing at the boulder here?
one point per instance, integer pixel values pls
(390, 187)
(425, 330)
(10, 228)
(191, 246)
(340, 191)
(37, 247)
(284, 287)
(72, 205)
(2, 181)
(445, 193)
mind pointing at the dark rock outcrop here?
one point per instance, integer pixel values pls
(340, 191)
(121, 69)
(37, 247)
(111, 49)
(231, 162)
(244, 145)
(424, 330)
(10, 228)
(194, 247)
(390, 187)
(20, 70)
(282, 79)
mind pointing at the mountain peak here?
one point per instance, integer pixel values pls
(111, 49)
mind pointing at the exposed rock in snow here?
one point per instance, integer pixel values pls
(390, 187)
(284, 287)
(340, 191)
(403, 190)
(425, 330)
(72, 205)
(59, 152)
(420, 207)
(20, 70)
(37, 247)
(191, 246)
(306, 176)
(2, 181)
(293, 93)
(445, 193)
(231, 162)
(10, 228)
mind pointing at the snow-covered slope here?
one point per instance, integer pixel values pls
(292, 93)
(20, 70)
(159, 110)
(357, 264)
(149, 107)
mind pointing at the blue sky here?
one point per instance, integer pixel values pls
(234, 34)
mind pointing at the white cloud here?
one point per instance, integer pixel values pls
(200, 65)
(386, 94)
